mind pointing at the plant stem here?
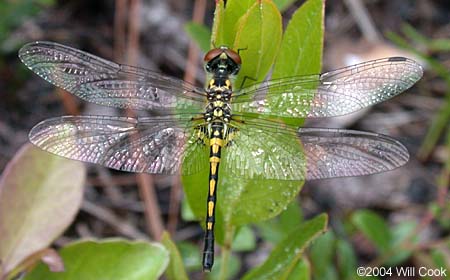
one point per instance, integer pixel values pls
(226, 252)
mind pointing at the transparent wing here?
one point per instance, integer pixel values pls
(333, 93)
(340, 153)
(262, 152)
(266, 149)
(154, 145)
(107, 83)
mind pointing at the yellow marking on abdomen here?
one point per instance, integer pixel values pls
(212, 186)
(216, 141)
(209, 226)
(210, 208)
(213, 168)
(215, 149)
(214, 159)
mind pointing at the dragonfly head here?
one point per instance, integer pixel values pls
(222, 61)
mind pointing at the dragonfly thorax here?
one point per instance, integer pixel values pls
(218, 109)
(218, 93)
(222, 64)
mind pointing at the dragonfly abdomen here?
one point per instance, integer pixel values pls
(216, 143)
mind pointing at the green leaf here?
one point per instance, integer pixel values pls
(287, 253)
(440, 260)
(259, 199)
(234, 264)
(271, 231)
(12, 15)
(399, 233)
(251, 200)
(277, 228)
(218, 24)
(329, 273)
(283, 4)
(301, 271)
(186, 211)
(191, 256)
(243, 201)
(374, 228)
(346, 259)
(46, 2)
(322, 253)
(439, 45)
(302, 45)
(108, 260)
(40, 195)
(258, 36)
(200, 34)
(414, 35)
(291, 217)
(175, 270)
(244, 240)
(254, 29)
(232, 14)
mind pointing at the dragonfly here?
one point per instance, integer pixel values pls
(188, 128)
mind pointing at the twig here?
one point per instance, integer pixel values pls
(193, 52)
(189, 76)
(120, 180)
(107, 216)
(119, 29)
(144, 181)
(174, 206)
(363, 20)
(69, 103)
(114, 192)
(151, 207)
(226, 252)
(133, 32)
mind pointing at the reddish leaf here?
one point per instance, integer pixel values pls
(39, 196)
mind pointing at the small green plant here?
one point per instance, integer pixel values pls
(254, 28)
(13, 13)
(440, 124)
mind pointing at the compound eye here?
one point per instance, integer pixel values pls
(212, 54)
(233, 56)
